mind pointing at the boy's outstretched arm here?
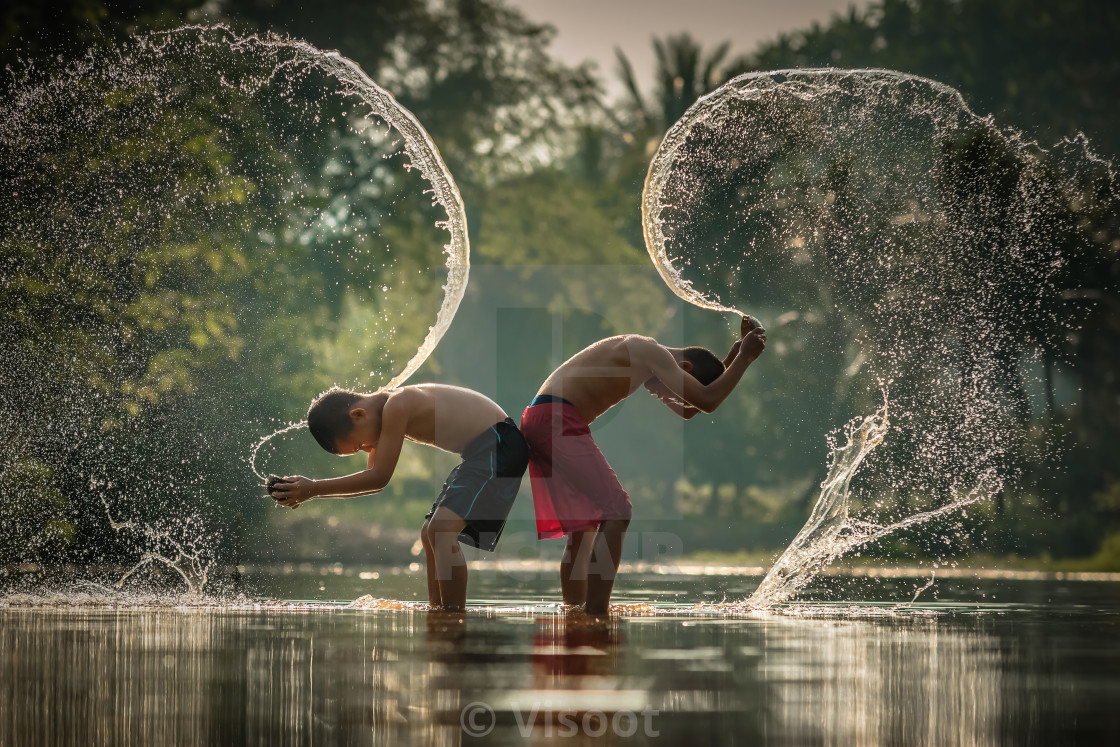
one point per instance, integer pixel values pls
(382, 462)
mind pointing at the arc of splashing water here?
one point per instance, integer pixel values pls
(829, 533)
(823, 538)
(740, 87)
(422, 152)
(804, 556)
(651, 216)
(257, 446)
(425, 156)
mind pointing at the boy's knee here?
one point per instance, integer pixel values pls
(446, 552)
(427, 533)
(442, 537)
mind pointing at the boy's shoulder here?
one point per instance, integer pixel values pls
(403, 399)
(640, 345)
(620, 350)
(640, 340)
(620, 342)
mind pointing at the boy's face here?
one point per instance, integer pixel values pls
(363, 436)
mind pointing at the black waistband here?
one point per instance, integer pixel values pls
(544, 399)
(487, 439)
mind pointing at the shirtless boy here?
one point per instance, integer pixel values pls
(476, 499)
(575, 491)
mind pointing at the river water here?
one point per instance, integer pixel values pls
(977, 661)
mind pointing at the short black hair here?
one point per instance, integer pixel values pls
(328, 418)
(706, 367)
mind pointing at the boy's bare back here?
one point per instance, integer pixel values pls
(440, 415)
(603, 374)
(606, 372)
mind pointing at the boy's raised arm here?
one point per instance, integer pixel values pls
(749, 323)
(692, 392)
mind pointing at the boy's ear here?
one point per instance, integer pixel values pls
(686, 366)
(357, 413)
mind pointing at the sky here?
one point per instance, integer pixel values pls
(591, 29)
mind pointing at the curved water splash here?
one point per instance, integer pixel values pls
(927, 236)
(425, 157)
(162, 197)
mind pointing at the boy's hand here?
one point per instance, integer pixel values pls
(749, 323)
(754, 342)
(292, 491)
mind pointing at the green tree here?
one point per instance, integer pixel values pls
(1045, 68)
(684, 72)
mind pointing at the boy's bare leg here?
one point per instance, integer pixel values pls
(605, 557)
(450, 564)
(573, 566)
(434, 599)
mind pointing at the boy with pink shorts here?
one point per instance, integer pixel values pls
(575, 491)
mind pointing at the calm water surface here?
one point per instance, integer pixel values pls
(969, 663)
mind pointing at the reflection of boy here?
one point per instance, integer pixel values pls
(575, 491)
(476, 499)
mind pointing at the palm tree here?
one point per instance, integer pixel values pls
(684, 73)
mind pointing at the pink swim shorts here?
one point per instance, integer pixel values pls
(574, 489)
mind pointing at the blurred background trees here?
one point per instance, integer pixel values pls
(551, 172)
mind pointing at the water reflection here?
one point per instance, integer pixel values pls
(915, 682)
(813, 675)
